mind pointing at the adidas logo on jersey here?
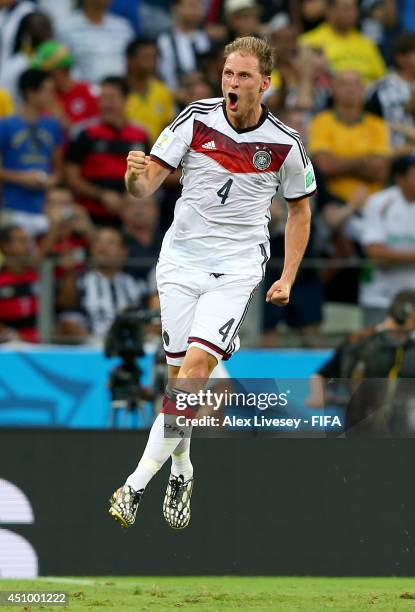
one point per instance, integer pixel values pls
(209, 145)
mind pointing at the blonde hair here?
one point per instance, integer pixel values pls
(250, 45)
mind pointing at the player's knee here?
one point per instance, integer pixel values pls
(198, 364)
(197, 370)
(196, 367)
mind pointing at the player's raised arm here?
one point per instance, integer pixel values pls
(297, 232)
(143, 176)
(298, 183)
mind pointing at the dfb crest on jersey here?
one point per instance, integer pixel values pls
(262, 160)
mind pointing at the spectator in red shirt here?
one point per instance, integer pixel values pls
(78, 101)
(96, 158)
(18, 286)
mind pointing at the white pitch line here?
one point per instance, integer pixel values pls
(86, 582)
(66, 580)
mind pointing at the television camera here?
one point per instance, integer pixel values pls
(125, 339)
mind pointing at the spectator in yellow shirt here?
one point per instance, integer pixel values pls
(150, 101)
(350, 146)
(344, 46)
(6, 104)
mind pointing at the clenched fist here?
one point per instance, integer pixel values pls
(279, 293)
(137, 162)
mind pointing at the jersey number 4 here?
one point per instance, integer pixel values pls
(225, 329)
(223, 192)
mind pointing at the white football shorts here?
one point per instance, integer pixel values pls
(202, 309)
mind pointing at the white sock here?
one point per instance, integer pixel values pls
(180, 460)
(156, 453)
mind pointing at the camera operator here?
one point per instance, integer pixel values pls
(370, 374)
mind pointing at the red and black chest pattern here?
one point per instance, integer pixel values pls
(238, 157)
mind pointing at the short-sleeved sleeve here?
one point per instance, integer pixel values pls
(373, 230)
(297, 175)
(174, 141)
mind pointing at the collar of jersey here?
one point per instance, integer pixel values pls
(249, 129)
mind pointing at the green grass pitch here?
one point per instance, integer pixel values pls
(217, 594)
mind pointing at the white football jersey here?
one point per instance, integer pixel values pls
(229, 177)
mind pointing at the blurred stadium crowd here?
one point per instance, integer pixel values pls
(82, 83)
